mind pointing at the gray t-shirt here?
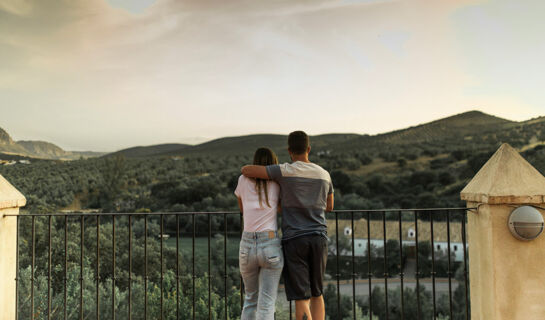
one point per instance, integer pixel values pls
(304, 188)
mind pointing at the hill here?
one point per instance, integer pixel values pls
(454, 129)
(242, 145)
(461, 125)
(474, 128)
(9, 146)
(149, 151)
(246, 145)
(42, 149)
(38, 149)
(5, 137)
(87, 154)
(451, 131)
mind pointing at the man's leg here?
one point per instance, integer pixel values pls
(296, 276)
(318, 264)
(317, 308)
(302, 310)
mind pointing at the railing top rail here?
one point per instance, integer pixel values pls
(93, 214)
(406, 210)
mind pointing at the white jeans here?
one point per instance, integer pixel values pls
(261, 261)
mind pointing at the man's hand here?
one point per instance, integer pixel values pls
(253, 171)
(329, 206)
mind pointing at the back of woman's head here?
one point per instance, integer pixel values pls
(263, 157)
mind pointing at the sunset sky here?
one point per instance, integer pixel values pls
(108, 74)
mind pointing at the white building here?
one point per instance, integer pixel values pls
(408, 232)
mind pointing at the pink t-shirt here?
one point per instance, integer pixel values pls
(258, 217)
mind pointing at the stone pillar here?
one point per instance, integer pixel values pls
(10, 202)
(507, 276)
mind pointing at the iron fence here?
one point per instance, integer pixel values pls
(94, 230)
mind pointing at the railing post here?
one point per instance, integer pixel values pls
(506, 274)
(10, 202)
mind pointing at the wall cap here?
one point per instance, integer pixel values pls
(9, 196)
(506, 178)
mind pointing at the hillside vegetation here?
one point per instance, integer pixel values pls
(149, 151)
(422, 166)
(471, 128)
(232, 146)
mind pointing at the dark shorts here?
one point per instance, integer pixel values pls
(304, 266)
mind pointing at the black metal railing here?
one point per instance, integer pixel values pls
(58, 268)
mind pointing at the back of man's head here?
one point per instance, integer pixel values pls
(298, 142)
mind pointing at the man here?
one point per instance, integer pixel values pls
(306, 194)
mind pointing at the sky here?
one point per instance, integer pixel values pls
(104, 75)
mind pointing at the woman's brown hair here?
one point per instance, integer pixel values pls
(263, 157)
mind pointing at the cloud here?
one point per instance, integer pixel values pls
(181, 68)
(17, 7)
(133, 6)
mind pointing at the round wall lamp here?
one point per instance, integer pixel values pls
(526, 223)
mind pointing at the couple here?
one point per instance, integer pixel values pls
(302, 192)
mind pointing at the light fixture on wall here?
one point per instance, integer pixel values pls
(526, 223)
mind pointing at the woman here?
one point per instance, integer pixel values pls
(260, 255)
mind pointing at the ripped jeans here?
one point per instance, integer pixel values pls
(261, 261)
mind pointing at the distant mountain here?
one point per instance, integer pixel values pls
(87, 154)
(39, 149)
(463, 124)
(470, 127)
(456, 128)
(248, 144)
(4, 137)
(42, 149)
(149, 151)
(230, 146)
(233, 145)
(8, 145)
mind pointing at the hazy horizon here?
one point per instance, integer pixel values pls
(197, 141)
(110, 74)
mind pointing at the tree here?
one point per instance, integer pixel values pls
(113, 177)
(331, 303)
(401, 162)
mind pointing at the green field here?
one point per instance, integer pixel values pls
(201, 246)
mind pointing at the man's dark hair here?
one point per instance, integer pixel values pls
(298, 142)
